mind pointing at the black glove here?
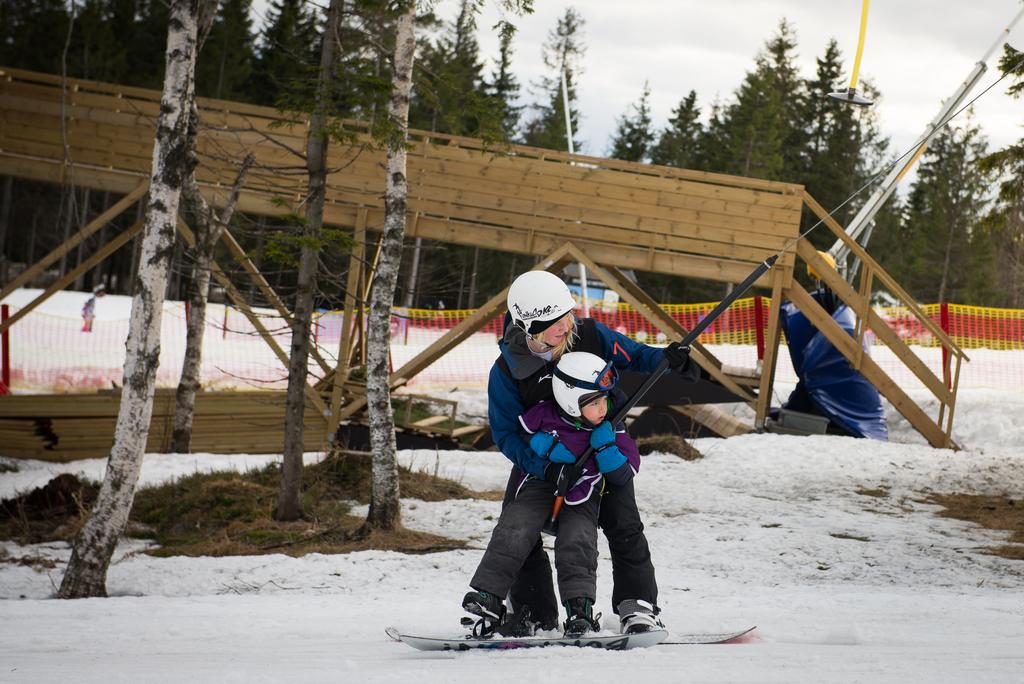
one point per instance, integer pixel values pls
(678, 357)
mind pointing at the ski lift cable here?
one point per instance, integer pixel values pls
(859, 229)
(910, 150)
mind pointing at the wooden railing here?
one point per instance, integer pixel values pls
(939, 431)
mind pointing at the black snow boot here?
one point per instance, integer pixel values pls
(489, 607)
(580, 620)
(517, 624)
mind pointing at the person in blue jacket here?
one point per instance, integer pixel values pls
(539, 328)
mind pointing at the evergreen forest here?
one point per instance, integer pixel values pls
(955, 234)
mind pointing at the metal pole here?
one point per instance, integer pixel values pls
(570, 473)
(866, 215)
(584, 292)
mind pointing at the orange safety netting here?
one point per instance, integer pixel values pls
(971, 327)
(51, 353)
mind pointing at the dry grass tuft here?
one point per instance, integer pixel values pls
(991, 512)
(669, 444)
(231, 513)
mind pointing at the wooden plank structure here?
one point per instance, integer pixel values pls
(610, 215)
(73, 426)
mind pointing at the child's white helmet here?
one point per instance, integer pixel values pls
(578, 378)
(537, 299)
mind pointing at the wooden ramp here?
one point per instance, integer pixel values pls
(608, 214)
(74, 426)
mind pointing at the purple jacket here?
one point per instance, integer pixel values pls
(544, 417)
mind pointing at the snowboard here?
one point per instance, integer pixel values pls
(613, 642)
(711, 638)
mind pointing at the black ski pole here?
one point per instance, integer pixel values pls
(571, 473)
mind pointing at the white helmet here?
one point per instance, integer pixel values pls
(578, 378)
(537, 299)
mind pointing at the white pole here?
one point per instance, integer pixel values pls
(568, 117)
(584, 293)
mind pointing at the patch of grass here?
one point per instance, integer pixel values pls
(991, 512)
(844, 535)
(878, 492)
(54, 512)
(230, 513)
(34, 562)
(669, 444)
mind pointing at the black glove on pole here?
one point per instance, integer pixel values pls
(678, 356)
(570, 473)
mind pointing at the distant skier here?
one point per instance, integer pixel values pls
(89, 308)
(538, 329)
(584, 395)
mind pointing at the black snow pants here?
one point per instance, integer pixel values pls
(632, 569)
(518, 527)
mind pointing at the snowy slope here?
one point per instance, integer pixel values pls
(767, 530)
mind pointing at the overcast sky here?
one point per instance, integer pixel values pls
(917, 52)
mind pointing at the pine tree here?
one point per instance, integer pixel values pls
(563, 51)
(94, 51)
(363, 81)
(1004, 227)
(759, 134)
(836, 154)
(449, 95)
(34, 34)
(678, 142)
(711, 155)
(792, 92)
(504, 88)
(226, 62)
(146, 45)
(285, 70)
(945, 202)
(634, 136)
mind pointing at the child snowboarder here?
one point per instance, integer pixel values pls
(89, 308)
(584, 396)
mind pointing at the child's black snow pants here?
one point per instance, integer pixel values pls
(632, 569)
(517, 530)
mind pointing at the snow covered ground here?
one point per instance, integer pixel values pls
(766, 530)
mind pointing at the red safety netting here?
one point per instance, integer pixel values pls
(49, 352)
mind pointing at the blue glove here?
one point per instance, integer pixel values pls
(609, 459)
(545, 446)
(602, 435)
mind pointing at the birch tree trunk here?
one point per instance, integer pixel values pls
(93, 548)
(288, 502)
(384, 504)
(208, 229)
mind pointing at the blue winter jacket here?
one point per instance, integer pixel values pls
(504, 400)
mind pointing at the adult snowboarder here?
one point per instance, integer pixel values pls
(539, 328)
(561, 430)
